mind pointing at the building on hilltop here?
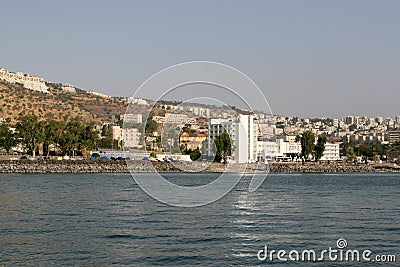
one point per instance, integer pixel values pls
(98, 94)
(68, 88)
(29, 82)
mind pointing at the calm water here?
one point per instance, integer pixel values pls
(103, 219)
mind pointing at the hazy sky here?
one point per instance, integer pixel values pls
(310, 58)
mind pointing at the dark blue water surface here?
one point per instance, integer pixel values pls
(106, 219)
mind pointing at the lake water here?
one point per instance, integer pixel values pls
(105, 219)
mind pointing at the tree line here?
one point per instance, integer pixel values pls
(37, 136)
(309, 147)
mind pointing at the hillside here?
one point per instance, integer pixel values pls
(17, 101)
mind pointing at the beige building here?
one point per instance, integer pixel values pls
(126, 137)
(191, 141)
(99, 94)
(29, 82)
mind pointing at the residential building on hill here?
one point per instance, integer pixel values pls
(30, 82)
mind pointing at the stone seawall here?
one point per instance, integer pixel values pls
(143, 166)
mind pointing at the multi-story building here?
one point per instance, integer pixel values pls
(393, 137)
(243, 132)
(192, 141)
(288, 149)
(173, 118)
(266, 150)
(126, 137)
(203, 112)
(332, 152)
(132, 118)
(28, 81)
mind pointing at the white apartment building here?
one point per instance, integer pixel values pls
(243, 132)
(98, 94)
(179, 119)
(68, 88)
(134, 118)
(286, 149)
(137, 101)
(282, 148)
(203, 112)
(128, 137)
(332, 152)
(266, 150)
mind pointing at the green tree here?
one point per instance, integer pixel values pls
(28, 129)
(107, 137)
(223, 144)
(88, 139)
(320, 147)
(307, 140)
(70, 138)
(195, 155)
(7, 138)
(151, 126)
(52, 135)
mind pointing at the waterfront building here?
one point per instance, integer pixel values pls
(332, 152)
(126, 137)
(243, 131)
(266, 150)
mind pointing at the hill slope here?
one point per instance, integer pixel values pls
(17, 101)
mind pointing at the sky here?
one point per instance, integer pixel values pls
(310, 58)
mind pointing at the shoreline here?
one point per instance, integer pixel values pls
(86, 166)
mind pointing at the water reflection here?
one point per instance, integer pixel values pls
(106, 219)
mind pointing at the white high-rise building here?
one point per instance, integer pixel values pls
(243, 131)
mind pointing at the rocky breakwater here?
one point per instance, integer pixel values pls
(70, 166)
(321, 168)
(86, 166)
